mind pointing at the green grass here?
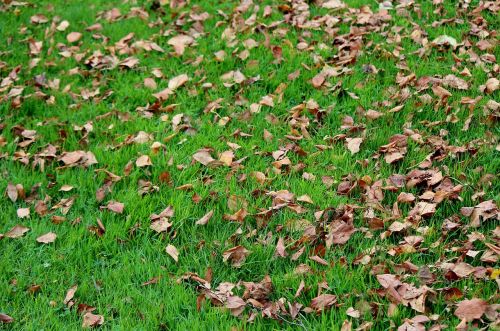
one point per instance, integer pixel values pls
(109, 270)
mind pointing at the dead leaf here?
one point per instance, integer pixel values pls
(323, 302)
(115, 206)
(70, 295)
(353, 144)
(177, 82)
(143, 161)
(180, 42)
(236, 256)
(74, 37)
(280, 248)
(90, 320)
(172, 251)
(47, 238)
(471, 309)
(204, 220)
(23, 212)
(6, 319)
(12, 192)
(17, 231)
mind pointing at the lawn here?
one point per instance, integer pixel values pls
(263, 165)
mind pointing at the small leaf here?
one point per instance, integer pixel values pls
(172, 251)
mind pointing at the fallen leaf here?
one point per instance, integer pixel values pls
(47, 238)
(74, 37)
(353, 144)
(172, 251)
(70, 294)
(90, 320)
(236, 256)
(204, 220)
(280, 248)
(17, 231)
(143, 161)
(471, 309)
(324, 301)
(6, 319)
(180, 42)
(12, 192)
(115, 206)
(177, 81)
(23, 212)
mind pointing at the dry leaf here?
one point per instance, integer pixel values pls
(90, 320)
(47, 238)
(17, 231)
(177, 81)
(6, 319)
(353, 144)
(74, 37)
(143, 161)
(236, 256)
(471, 309)
(172, 251)
(204, 220)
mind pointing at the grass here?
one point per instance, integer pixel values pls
(109, 270)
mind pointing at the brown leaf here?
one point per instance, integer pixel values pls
(490, 86)
(6, 319)
(406, 197)
(177, 81)
(70, 294)
(143, 161)
(162, 225)
(388, 281)
(47, 238)
(236, 305)
(129, 62)
(23, 212)
(353, 144)
(203, 157)
(116, 207)
(12, 192)
(172, 251)
(90, 320)
(150, 83)
(324, 301)
(333, 4)
(73, 37)
(455, 82)
(236, 256)
(227, 158)
(471, 309)
(204, 220)
(180, 42)
(445, 40)
(318, 80)
(463, 269)
(319, 260)
(258, 291)
(280, 248)
(17, 231)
